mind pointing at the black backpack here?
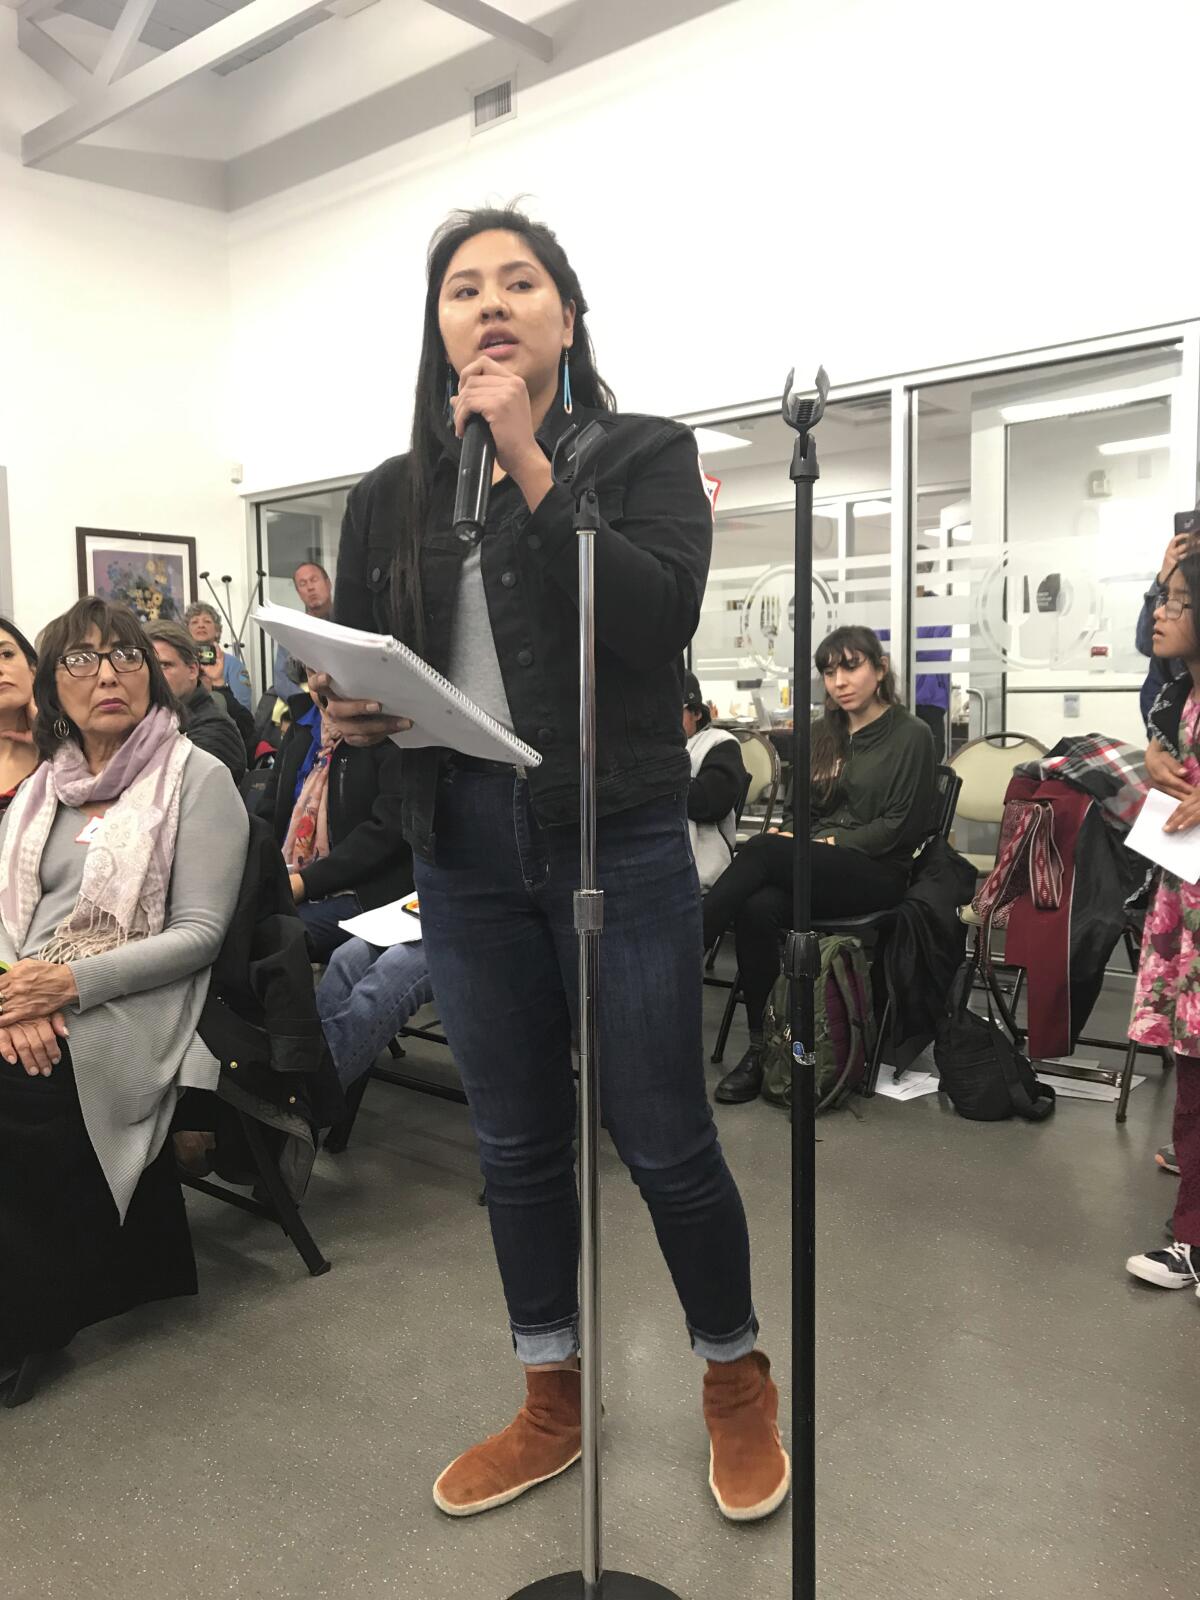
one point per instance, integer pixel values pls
(983, 1072)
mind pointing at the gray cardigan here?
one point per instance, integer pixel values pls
(133, 1030)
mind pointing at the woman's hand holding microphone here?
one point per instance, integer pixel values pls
(488, 390)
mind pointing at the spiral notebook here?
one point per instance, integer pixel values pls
(373, 666)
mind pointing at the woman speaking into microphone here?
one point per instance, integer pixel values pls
(497, 849)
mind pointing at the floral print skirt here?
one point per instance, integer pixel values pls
(1166, 999)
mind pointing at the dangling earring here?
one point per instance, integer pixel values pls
(566, 383)
(62, 728)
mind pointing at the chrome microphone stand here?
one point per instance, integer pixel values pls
(802, 964)
(575, 461)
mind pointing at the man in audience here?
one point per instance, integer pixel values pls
(312, 585)
(221, 670)
(208, 724)
(718, 778)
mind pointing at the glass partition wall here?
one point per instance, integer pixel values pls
(290, 531)
(999, 520)
(1002, 521)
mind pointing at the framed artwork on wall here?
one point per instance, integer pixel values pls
(154, 574)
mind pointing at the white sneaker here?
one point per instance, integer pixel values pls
(1172, 1268)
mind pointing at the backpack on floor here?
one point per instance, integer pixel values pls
(845, 1027)
(986, 1077)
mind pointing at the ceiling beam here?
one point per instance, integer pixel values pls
(32, 10)
(53, 57)
(499, 24)
(123, 39)
(260, 20)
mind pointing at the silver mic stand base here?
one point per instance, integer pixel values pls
(613, 1586)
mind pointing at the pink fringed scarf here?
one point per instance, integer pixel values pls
(127, 869)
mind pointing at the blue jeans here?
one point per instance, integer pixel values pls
(321, 918)
(365, 998)
(499, 937)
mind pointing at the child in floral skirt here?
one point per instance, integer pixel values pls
(1166, 1002)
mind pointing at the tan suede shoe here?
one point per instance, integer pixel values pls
(541, 1441)
(749, 1471)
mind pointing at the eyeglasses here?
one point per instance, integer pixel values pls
(86, 663)
(1171, 606)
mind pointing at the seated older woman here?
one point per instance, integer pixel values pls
(120, 862)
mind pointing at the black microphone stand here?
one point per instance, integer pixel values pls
(235, 634)
(802, 963)
(575, 460)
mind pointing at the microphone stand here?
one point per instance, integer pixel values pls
(235, 634)
(574, 466)
(802, 960)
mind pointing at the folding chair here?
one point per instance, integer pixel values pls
(278, 1206)
(873, 929)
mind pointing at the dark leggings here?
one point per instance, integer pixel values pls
(754, 894)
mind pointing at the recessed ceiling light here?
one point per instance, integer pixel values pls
(712, 441)
(1081, 404)
(1132, 447)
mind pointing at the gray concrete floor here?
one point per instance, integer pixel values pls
(1002, 1412)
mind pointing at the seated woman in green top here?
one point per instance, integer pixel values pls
(872, 804)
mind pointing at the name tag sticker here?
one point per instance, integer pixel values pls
(88, 832)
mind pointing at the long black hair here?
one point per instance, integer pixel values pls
(849, 646)
(431, 429)
(1189, 570)
(21, 642)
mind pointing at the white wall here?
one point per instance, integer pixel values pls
(114, 329)
(979, 180)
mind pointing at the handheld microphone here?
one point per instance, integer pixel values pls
(474, 478)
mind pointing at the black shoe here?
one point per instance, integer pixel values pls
(744, 1082)
(1172, 1268)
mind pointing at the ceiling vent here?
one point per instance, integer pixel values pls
(496, 103)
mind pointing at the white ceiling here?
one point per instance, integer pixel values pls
(172, 21)
(315, 99)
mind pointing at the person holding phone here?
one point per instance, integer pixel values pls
(496, 849)
(222, 670)
(1166, 1005)
(1183, 541)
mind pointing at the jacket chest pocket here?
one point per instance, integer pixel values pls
(379, 568)
(612, 505)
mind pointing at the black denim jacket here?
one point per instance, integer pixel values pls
(651, 561)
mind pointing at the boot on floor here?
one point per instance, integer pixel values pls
(540, 1442)
(749, 1471)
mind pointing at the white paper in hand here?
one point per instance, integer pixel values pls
(395, 923)
(373, 666)
(1178, 852)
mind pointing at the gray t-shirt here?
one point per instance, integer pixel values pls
(474, 666)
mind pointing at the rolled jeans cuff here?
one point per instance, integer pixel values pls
(725, 1346)
(538, 1347)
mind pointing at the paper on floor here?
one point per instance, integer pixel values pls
(911, 1086)
(386, 925)
(1178, 852)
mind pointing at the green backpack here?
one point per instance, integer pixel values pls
(845, 1027)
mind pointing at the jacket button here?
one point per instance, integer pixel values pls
(508, 579)
(467, 536)
(545, 735)
(376, 574)
(534, 541)
(233, 1066)
(524, 658)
